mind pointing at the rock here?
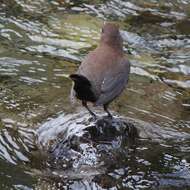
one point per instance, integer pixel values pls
(74, 142)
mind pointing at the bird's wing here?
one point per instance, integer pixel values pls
(114, 83)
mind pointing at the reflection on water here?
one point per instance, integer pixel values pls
(41, 42)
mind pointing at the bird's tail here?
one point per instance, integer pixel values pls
(82, 88)
(80, 79)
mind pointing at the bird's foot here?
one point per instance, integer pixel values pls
(94, 117)
(108, 117)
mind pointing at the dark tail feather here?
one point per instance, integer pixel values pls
(82, 88)
(80, 79)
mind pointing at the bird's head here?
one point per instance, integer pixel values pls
(110, 35)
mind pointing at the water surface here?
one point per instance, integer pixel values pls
(41, 42)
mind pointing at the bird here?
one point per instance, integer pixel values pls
(104, 72)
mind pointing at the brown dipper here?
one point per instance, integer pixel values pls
(104, 73)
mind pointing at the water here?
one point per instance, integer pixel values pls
(41, 42)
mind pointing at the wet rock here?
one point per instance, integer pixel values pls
(76, 144)
(73, 141)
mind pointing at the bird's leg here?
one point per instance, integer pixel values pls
(106, 110)
(84, 103)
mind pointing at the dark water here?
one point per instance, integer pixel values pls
(47, 144)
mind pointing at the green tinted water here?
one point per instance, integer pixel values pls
(41, 42)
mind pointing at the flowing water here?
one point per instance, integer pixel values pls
(45, 143)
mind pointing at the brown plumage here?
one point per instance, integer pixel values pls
(104, 73)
